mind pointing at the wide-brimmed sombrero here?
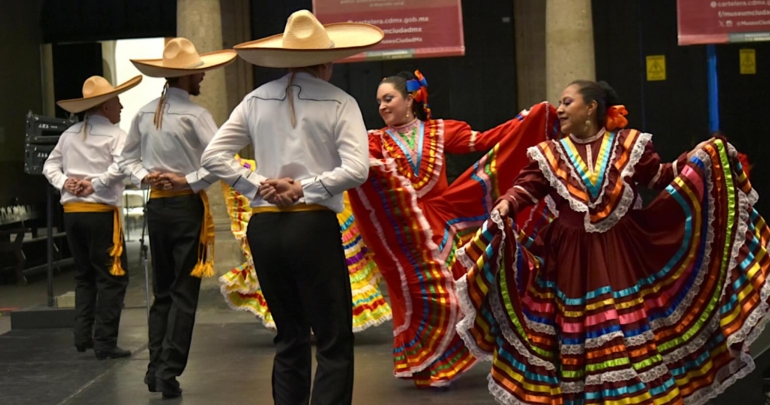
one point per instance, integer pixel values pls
(180, 58)
(96, 90)
(306, 42)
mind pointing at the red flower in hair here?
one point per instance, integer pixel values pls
(615, 118)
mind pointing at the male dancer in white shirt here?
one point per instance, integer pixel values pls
(83, 167)
(163, 150)
(310, 144)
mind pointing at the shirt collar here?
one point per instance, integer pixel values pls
(98, 119)
(177, 92)
(305, 75)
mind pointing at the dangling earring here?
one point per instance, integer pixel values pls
(587, 126)
(407, 115)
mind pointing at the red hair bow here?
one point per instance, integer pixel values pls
(615, 117)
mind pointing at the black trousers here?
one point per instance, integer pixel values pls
(174, 225)
(98, 294)
(300, 263)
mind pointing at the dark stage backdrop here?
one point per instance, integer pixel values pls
(675, 111)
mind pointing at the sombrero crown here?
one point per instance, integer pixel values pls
(305, 42)
(180, 58)
(96, 90)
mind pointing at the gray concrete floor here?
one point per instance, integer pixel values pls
(230, 361)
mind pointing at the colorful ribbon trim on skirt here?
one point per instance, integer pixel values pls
(116, 251)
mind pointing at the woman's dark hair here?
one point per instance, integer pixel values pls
(601, 92)
(398, 81)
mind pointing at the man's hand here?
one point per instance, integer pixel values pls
(71, 186)
(151, 179)
(171, 182)
(281, 192)
(84, 188)
(504, 208)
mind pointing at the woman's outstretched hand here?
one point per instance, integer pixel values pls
(504, 208)
(698, 147)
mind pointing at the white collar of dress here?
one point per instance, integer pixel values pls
(408, 126)
(588, 140)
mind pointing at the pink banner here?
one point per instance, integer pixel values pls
(718, 22)
(413, 28)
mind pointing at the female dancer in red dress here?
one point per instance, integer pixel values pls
(413, 220)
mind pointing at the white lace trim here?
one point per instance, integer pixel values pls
(535, 154)
(462, 255)
(653, 374)
(632, 341)
(551, 204)
(223, 290)
(737, 369)
(589, 139)
(627, 173)
(372, 323)
(501, 395)
(463, 327)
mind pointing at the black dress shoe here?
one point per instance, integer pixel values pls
(114, 353)
(170, 389)
(84, 346)
(150, 381)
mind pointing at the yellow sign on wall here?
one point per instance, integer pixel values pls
(656, 68)
(748, 59)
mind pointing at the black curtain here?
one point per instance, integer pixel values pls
(100, 20)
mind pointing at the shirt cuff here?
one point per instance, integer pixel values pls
(195, 183)
(98, 185)
(60, 183)
(247, 187)
(314, 190)
(138, 176)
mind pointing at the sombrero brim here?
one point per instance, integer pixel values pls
(210, 61)
(77, 105)
(348, 38)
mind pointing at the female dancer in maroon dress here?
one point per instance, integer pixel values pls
(615, 304)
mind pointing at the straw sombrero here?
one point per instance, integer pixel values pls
(180, 58)
(305, 42)
(96, 90)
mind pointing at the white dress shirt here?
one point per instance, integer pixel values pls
(93, 158)
(328, 150)
(175, 148)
